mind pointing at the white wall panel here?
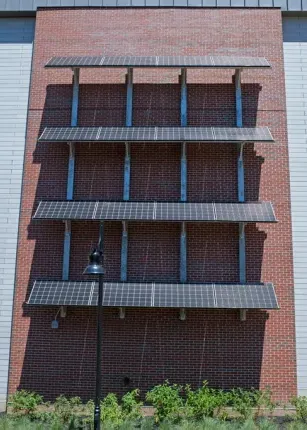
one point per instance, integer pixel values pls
(295, 54)
(16, 39)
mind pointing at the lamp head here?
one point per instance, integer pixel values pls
(95, 263)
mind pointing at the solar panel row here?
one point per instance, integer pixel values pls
(156, 134)
(153, 211)
(209, 61)
(148, 294)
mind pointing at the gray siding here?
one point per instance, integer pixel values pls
(16, 37)
(295, 53)
(32, 5)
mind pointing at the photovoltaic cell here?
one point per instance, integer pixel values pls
(183, 296)
(156, 134)
(246, 296)
(65, 210)
(238, 212)
(151, 294)
(153, 211)
(164, 61)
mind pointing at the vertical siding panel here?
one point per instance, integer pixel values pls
(295, 48)
(16, 37)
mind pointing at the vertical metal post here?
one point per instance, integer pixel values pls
(183, 184)
(129, 115)
(127, 174)
(127, 169)
(239, 115)
(129, 105)
(242, 255)
(124, 253)
(184, 123)
(184, 99)
(66, 253)
(183, 253)
(71, 173)
(241, 196)
(183, 174)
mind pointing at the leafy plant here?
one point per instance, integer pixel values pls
(25, 402)
(205, 401)
(167, 401)
(242, 402)
(131, 405)
(65, 409)
(111, 411)
(263, 400)
(300, 404)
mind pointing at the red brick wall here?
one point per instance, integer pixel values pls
(151, 345)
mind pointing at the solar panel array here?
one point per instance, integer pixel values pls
(153, 211)
(156, 134)
(164, 61)
(158, 295)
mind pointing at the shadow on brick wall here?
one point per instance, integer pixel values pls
(149, 345)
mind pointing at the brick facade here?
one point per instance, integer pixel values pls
(151, 345)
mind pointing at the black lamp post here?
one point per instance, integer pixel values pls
(95, 268)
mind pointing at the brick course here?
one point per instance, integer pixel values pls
(151, 345)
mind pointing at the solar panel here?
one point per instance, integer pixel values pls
(163, 61)
(246, 296)
(156, 134)
(238, 212)
(152, 211)
(151, 294)
(70, 134)
(184, 296)
(66, 210)
(63, 293)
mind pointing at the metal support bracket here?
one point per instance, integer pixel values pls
(183, 196)
(122, 313)
(71, 172)
(129, 104)
(242, 256)
(75, 98)
(127, 169)
(243, 314)
(124, 253)
(239, 114)
(129, 120)
(184, 99)
(182, 314)
(183, 253)
(66, 251)
(241, 188)
(63, 311)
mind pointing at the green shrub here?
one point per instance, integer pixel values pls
(300, 404)
(25, 403)
(131, 405)
(242, 402)
(263, 400)
(204, 402)
(111, 411)
(66, 410)
(167, 401)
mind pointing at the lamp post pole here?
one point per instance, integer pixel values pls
(98, 354)
(95, 268)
